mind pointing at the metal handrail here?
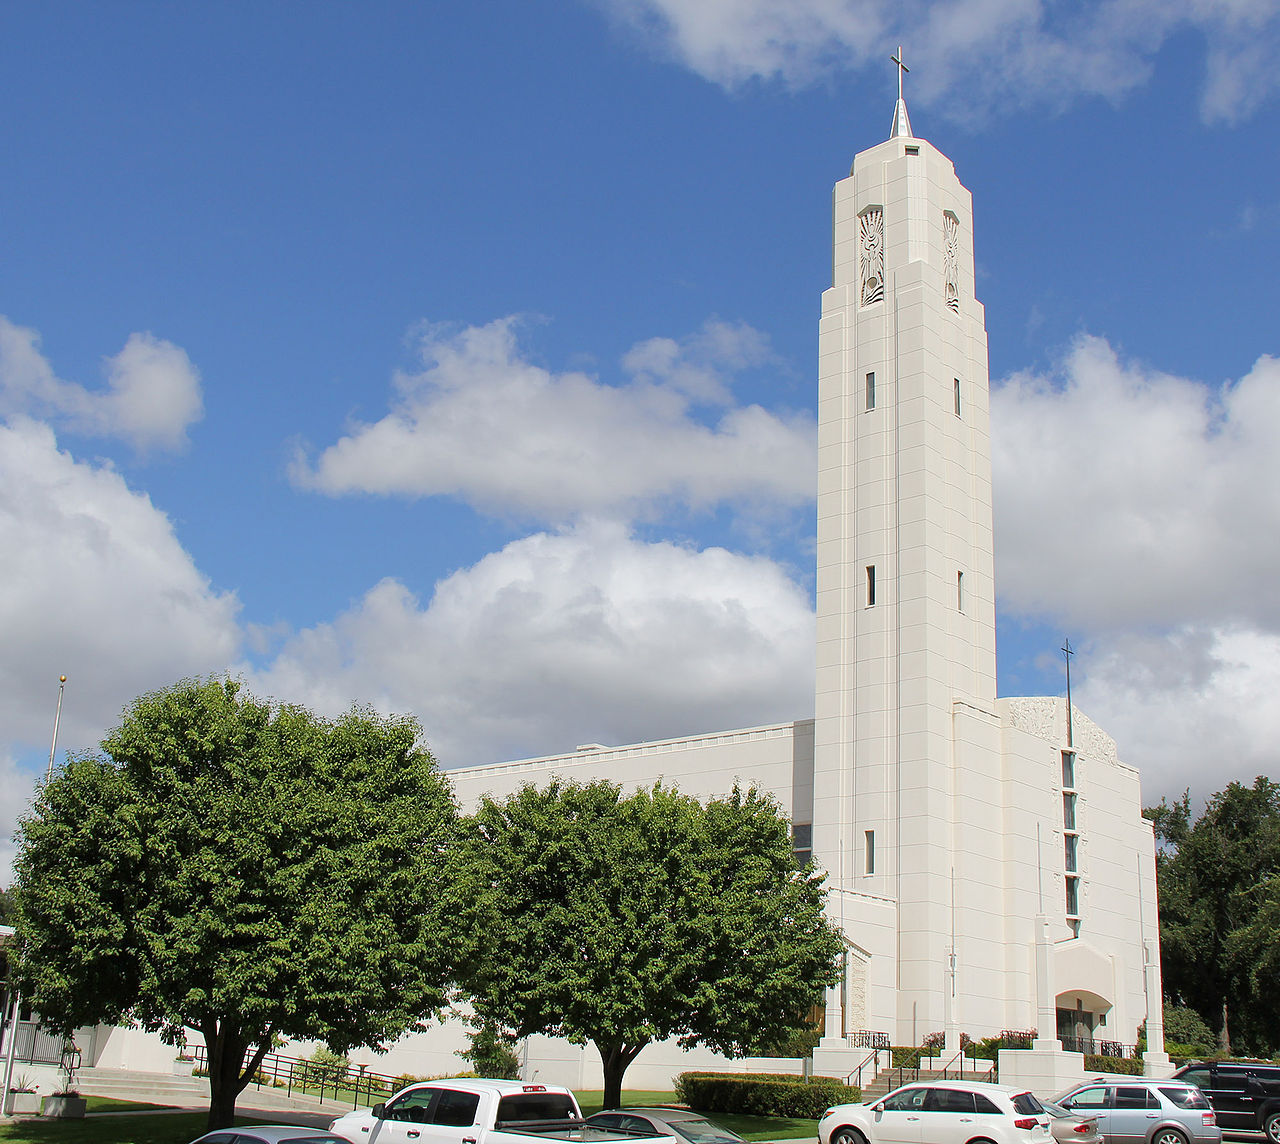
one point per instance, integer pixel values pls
(298, 1074)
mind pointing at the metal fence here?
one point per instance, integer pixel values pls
(357, 1086)
(32, 1045)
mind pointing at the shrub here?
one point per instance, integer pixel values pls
(762, 1094)
(1096, 1062)
(1187, 1029)
(800, 1043)
(490, 1053)
(326, 1067)
(906, 1056)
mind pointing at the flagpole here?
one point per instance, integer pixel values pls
(11, 1033)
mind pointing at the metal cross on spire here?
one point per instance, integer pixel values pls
(1067, 652)
(901, 122)
(901, 68)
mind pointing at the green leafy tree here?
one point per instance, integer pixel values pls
(1219, 885)
(490, 1053)
(622, 921)
(243, 869)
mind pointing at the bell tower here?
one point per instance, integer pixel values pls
(905, 577)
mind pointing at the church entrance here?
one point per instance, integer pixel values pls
(1082, 1019)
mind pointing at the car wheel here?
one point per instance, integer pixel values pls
(1169, 1136)
(1271, 1126)
(847, 1136)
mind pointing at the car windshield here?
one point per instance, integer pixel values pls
(703, 1132)
(1186, 1097)
(1056, 1109)
(1028, 1104)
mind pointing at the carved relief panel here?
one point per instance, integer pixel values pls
(871, 254)
(951, 261)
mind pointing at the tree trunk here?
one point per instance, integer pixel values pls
(225, 1047)
(1224, 1034)
(615, 1058)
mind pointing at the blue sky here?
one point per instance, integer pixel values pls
(460, 358)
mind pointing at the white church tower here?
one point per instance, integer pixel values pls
(905, 583)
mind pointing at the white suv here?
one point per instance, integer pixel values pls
(940, 1112)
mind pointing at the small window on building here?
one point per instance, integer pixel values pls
(960, 591)
(957, 395)
(912, 150)
(1071, 845)
(871, 852)
(1069, 811)
(871, 585)
(1068, 770)
(1073, 897)
(871, 391)
(802, 842)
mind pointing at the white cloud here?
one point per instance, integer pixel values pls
(587, 634)
(483, 423)
(152, 395)
(971, 55)
(96, 587)
(1198, 706)
(1127, 497)
(1142, 511)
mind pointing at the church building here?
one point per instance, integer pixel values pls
(987, 859)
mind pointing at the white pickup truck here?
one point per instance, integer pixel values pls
(478, 1112)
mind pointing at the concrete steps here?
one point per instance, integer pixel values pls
(889, 1079)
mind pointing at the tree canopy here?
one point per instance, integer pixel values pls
(622, 921)
(1219, 885)
(243, 869)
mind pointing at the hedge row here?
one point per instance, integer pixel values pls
(763, 1094)
(1129, 1066)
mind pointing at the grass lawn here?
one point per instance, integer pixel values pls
(110, 1104)
(176, 1128)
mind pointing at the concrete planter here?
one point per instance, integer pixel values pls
(22, 1103)
(183, 1068)
(64, 1107)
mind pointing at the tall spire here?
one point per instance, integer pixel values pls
(901, 121)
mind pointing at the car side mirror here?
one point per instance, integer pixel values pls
(878, 1106)
(379, 1111)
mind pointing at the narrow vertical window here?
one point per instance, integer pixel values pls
(871, 852)
(1073, 897)
(957, 393)
(1071, 844)
(1069, 811)
(871, 584)
(1069, 770)
(871, 391)
(960, 591)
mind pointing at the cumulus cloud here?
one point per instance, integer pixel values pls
(1197, 705)
(971, 55)
(97, 587)
(1128, 497)
(483, 423)
(1141, 510)
(152, 397)
(586, 634)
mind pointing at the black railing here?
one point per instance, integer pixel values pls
(1093, 1046)
(867, 1039)
(356, 1086)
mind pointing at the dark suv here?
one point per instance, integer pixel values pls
(1245, 1096)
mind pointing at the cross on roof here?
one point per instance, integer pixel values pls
(901, 68)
